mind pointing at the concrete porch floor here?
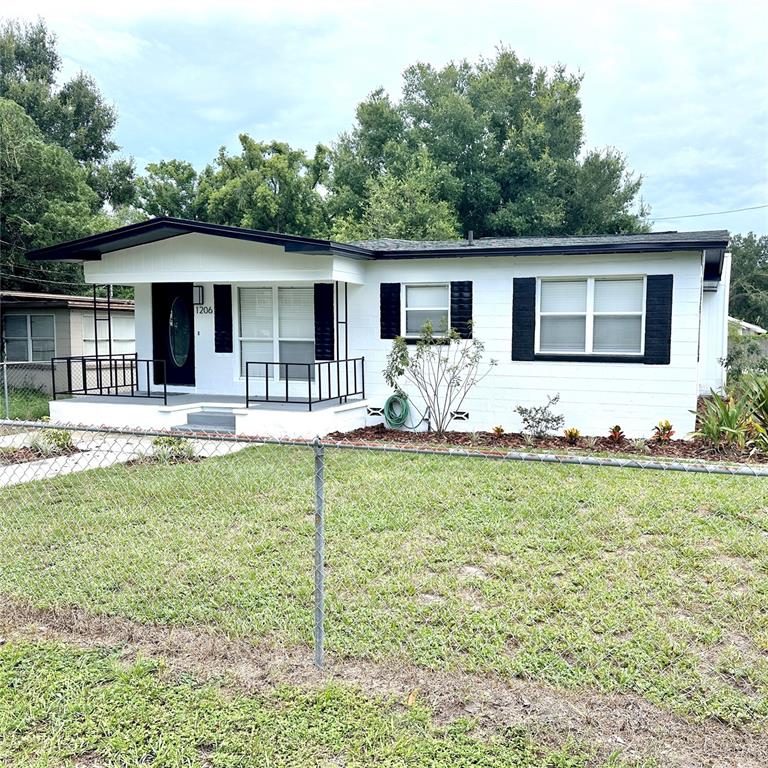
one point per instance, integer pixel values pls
(211, 413)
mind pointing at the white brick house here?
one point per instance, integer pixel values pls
(628, 329)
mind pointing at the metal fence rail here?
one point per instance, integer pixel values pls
(116, 375)
(304, 383)
(577, 572)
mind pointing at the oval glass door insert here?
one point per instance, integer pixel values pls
(179, 331)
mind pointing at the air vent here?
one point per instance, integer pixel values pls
(375, 411)
(460, 415)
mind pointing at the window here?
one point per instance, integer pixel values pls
(591, 316)
(277, 324)
(29, 337)
(426, 303)
(123, 334)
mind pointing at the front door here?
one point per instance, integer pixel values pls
(173, 332)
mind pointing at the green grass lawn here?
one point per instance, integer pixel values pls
(66, 707)
(587, 578)
(25, 404)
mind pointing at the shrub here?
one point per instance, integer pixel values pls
(726, 421)
(616, 435)
(539, 421)
(443, 369)
(591, 442)
(498, 430)
(662, 432)
(172, 449)
(640, 445)
(52, 441)
(746, 355)
(572, 435)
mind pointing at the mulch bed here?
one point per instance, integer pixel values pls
(680, 449)
(25, 455)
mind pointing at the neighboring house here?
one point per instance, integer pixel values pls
(37, 327)
(743, 328)
(628, 329)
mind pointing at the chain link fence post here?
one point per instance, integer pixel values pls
(319, 636)
(6, 398)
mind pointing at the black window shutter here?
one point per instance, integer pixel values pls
(658, 319)
(389, 308)
(324, 322)
(222, 318)
(523, 317)
(461, 308)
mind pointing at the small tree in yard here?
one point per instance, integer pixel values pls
(443, 369)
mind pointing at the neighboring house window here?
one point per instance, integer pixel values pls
(29, 337)
(591, 316)
(277, 324)
(423, 303)
(123, 335)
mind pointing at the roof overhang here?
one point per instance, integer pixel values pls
(92, 248)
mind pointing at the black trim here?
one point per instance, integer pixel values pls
(92, 248)
(389, 310)
(658, 319)
(325, 341)
(523, 318)
(461, 308)
(222, 319)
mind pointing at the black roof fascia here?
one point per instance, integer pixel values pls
(571, 250)
(91, 248)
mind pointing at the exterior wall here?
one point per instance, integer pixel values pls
(205, 259)
(714, 333)
(594, 396)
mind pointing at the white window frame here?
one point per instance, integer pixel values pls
(276, 337)
(29, 317)
(404, 309)
(589, 315)
(90, 339)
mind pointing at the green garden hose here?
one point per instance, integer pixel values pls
(396, 411)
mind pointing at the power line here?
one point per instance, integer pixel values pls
(711, 213)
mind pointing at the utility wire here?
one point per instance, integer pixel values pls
(712, 213)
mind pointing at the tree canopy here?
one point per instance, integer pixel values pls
(509, 135)
(749, 278)
(59, 177)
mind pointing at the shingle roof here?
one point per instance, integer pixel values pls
(393, 245)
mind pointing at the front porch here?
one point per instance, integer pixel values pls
(210, 413)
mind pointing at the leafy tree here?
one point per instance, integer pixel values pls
(46, 199)
(75, 115)
(267, 186)
(169, 188)
(407, 206)
(511, 135)
(749, 278)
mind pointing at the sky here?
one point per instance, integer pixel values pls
(680, 87)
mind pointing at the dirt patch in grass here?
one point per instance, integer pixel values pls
(647, 449)
(616, 723)
(24, 455)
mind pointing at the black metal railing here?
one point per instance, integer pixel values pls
(117, 375)
(304, 383)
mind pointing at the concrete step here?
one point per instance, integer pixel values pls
(219, 421)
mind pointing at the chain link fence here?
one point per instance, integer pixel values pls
(453, 572)
(25, 389)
